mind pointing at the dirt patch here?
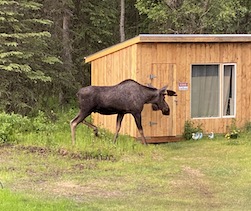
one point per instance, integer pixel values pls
(68, 189)
(83, 192)
(64, 153)
(35, 149)
(193, 173)
(193, 181)
(35, 169)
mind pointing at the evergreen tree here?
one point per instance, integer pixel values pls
(25, 56)
(95, 26)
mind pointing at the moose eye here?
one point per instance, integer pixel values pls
(155, 107)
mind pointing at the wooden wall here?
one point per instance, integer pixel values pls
(136, 62)
(111, 70)
(186, 54)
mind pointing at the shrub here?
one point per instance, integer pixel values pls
(233, 131)
(41, 123)
(11, 124)
(191, 128)
(247, 127)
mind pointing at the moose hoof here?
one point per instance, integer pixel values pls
(95, 132)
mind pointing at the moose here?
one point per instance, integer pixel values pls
(127, 97)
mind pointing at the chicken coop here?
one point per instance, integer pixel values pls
(210, 73)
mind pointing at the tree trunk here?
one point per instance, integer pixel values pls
(122, 20)
(67, 48)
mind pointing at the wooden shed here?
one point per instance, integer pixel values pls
(210, 73)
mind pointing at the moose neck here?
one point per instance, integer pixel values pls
(149, 94)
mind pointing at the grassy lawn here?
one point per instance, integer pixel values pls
(97, 175)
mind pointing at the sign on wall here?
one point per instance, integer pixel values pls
(183, 86)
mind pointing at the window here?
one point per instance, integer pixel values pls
(228, 90)
(207, 91)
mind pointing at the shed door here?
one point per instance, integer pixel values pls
(154, 122)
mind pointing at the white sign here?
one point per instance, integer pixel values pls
(183, 86)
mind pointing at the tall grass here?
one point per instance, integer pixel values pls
(53, 131)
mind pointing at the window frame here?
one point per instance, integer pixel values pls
(221, 89)
(235, 90)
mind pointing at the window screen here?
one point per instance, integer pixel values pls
(205, 91)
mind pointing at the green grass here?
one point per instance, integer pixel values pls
(42, 171)
(202, 175)
(21, 202)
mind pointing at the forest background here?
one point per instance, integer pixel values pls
(43, 43)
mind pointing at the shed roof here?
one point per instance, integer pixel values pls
(172, 38)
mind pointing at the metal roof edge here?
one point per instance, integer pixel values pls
(195, 38)
(171, 38)
(112, 49)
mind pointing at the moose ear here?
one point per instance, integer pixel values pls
(163, 90)
(171, 93)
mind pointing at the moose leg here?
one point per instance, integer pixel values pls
(95, 129)
(73, 124)
(118, 126)
(137, 118)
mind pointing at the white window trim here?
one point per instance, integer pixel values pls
(221, 87)
(221, 75)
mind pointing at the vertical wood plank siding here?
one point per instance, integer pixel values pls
(136, 62)
(110, 70)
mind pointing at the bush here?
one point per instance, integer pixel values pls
(41, 123)
(191, 128)
(11, 124)
(247, 127)
(233, 131)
